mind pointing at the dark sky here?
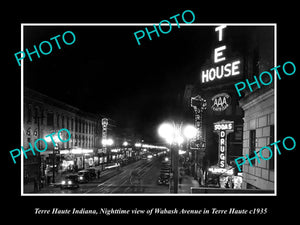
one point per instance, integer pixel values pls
(105, 71)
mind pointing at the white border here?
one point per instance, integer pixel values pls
(148, 24)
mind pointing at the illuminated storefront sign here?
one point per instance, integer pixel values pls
(222, 128)
(76, 151)
(220, 102)
(220, 71)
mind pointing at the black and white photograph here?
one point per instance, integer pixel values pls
(139, 124)
(150, 112)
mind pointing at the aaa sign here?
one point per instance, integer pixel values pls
(220, 102)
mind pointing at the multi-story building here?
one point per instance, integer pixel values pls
(258, 107)
(44, 115)
(251, 50)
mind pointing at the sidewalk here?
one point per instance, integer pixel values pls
(186, 183)
(185, 186)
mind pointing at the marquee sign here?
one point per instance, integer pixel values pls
(222, 68)
(199, 104)
(220, 102)
(222, 128)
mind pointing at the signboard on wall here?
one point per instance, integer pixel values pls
(223, 128)
(222, 68)
(220, 102)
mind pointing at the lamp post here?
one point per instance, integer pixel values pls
(125, 144)
(174, 135)
(107, 142)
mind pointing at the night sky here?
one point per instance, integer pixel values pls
(105, 71)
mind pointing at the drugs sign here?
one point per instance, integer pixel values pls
(222, 128)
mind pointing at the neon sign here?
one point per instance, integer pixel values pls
(223, 128)
(220, 102)
(229, 69)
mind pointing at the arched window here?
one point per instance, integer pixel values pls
(57, 120)
(35, 115)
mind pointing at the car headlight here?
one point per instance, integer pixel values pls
(63, 182)
(69, 182)
(80, 178)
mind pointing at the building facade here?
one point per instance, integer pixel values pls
(258, 133)
(248, 51)
(44, 115)
(259, 118)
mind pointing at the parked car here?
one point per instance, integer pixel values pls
(164, 178)
(70, 181)
(92, 173)
(165, 170)
(83, 176)
(165, 164)
(124, 162)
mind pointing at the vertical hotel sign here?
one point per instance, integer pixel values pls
(222, 68)
(223, 128)
(104, 123)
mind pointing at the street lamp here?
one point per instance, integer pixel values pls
(175, 134)
(107, 142)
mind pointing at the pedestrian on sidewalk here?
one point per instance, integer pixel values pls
(98, 173)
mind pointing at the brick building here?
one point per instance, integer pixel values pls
(259, 118)
(43, 115)
(252, 114)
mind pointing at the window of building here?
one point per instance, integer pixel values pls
(35, 116)
(252, 145)
(72, 126)
(272, 160)
(76, 125)
(67, 119)
(42, 117)
(50, 119)
(76, 140)
(57, 120)
(29, 113)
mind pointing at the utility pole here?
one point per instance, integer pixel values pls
(175, 149)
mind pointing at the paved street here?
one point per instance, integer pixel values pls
(118, 180)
